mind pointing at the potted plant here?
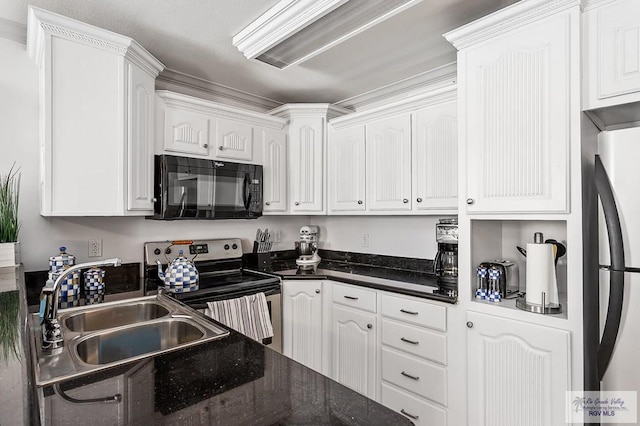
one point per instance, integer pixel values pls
(9, 225)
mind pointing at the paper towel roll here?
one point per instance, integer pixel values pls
(541, 275)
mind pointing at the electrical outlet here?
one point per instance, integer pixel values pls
(365, 240)
(95, 248)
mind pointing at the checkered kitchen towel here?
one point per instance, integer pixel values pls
(248, 315)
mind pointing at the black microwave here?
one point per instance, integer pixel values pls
(195, 188)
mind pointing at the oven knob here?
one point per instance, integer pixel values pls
(226, 246)
(234, 246)
(167, 250)
(157, 251)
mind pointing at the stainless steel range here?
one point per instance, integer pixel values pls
(221, 276)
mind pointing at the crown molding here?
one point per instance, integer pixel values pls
(281, 21)
(592, 4)
(434, 97)
(191, 103)
(329, 111)
(14, 31)
(507, 19)
(177, 81)
(428, 81)
(42, 24)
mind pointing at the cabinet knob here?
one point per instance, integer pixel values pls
(268, 203)
(369, 326)
(419, 199)
(220, 147)
(296, 203)
(359, 201)
(154, 200)
(470, 201)
(405, 200)
(469, 324)
(317, 291)
(206, 145)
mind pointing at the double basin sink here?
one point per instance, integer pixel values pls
(114, 333)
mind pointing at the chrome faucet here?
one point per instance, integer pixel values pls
(51, 332)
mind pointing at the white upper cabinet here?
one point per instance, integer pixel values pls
(346, 169)
(389, 160)
(275, 167)
(612, 60)
(435, 157)
(97, 114)
(400, 158)
(234, 140)
(307, 133)
(519, 99)
(195, 127)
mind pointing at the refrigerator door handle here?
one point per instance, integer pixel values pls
(616, 250)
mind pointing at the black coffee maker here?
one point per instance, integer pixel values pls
(445, 264)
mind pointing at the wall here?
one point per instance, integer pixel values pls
(406, 236)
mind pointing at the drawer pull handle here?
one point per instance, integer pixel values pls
(405, 374)
(404, 311)
(351, 297)
(409, 415)
(413, 342)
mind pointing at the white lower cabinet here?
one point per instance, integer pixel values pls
(517, 372)
(420, 412)
(353, 361)
(302, 321)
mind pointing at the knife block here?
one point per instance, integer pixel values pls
(259, 261)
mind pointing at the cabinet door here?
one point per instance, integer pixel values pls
(435, 157)
(306, 146)
(186, 131)
(274, 171)
(234, 140)
(517, 128)
(616, 45)
(302, 322)
(354, 344)
(517, 372)
(140, 93)
(347, 170)
(389, 164)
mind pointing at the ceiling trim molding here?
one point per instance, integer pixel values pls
(408, 105)
(592, 4)
(281, 21)
(180, 82)
(42, 24)
(507, 19)
(428, 81)
(14, 31)
(190, 103)
(310, 110)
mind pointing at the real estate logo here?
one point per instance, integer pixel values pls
(601, 407)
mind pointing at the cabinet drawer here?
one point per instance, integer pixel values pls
(421, 377)
(417, 341)
(415, 312)
(356, 297)
(418, 411)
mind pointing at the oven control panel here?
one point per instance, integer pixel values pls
(217, 249)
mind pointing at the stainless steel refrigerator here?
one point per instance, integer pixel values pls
(612, 297)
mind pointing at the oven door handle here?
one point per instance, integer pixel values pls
(246, 195)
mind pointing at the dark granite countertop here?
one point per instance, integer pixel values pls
(359, 276)
(231, 381)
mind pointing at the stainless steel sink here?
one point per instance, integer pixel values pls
(108, 317)
(130, 342)
(114, 333)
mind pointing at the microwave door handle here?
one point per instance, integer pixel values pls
(246, 195)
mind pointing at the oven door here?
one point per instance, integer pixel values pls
(237, 190)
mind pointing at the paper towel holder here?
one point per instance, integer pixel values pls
(551, 308)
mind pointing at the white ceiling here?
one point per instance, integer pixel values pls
(194, 37)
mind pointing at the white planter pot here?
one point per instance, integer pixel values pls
(9, 254)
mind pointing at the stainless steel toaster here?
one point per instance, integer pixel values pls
(508, 279)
